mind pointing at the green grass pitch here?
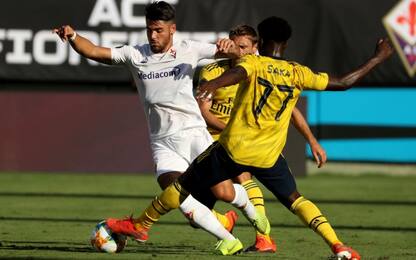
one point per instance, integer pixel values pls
(50, 216)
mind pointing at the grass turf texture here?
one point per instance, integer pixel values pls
(51, 216)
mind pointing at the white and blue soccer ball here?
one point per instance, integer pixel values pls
(103, 240)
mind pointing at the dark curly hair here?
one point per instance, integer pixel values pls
(160, 11)
(274, 29)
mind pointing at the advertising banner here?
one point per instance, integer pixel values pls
(328, 35)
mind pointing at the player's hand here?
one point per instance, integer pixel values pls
(205, 92)
(383, 49)
(65, 32)
(224, 45)
(228, 47)
(319, 154)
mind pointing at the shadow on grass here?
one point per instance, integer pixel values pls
(177, 223)
(124, 196)
(46, 246)
(133, 248)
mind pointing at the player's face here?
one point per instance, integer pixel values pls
(160, 35)
(246, 45)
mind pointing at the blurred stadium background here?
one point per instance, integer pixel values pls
(62, 113)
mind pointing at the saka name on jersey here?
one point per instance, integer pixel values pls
(257, 130)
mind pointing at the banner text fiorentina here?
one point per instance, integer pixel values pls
(328, 35)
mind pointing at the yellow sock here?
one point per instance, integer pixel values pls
(255, 195)
(169, 199)
(222, 219)
(312, 216)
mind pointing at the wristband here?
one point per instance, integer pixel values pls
(72, 38)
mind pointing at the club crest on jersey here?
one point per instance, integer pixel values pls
(400, 24)
(173, 53)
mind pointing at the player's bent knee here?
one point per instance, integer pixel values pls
(227, 198)
(226, 195)
(168, 178)
(245, 176)
(293, 197)
(224, 191)
(170, 198)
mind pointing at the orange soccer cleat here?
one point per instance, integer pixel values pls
(126, 227)
(344, 252)
(264, 244)
(232, 218)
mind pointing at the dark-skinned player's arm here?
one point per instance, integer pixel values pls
(211, 120)
(83, 46)
(299, 122)
(382, 52)
(232, 76)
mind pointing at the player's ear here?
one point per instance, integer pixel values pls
(172, 29)
(284, 46)
(255, 46)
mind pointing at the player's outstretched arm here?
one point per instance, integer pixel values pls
(382, 52)
(83, 46)
(211, 120)
(302, 126)
(230, 77)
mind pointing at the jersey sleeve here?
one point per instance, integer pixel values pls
(248, 62)
(305, 78)
(204, 50)
(124, 54)
(206, 74)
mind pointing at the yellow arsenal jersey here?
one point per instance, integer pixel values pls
(256, 132)
(222, 101)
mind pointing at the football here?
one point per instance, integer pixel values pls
(103, 240)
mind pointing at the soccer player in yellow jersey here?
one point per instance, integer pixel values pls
(217, 110)
(256, 132)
